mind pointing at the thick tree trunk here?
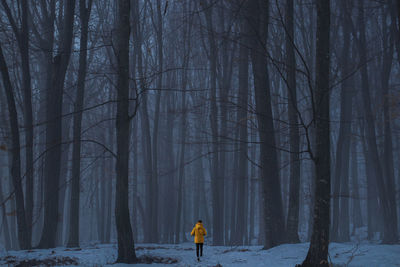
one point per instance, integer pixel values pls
(54, 129)
(46, 66)
(126, 248)
(318, 252)
(273, 210)
(16, 159)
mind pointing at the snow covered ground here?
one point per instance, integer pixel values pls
(348, 254)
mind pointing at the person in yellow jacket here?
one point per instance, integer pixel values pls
(199, 232)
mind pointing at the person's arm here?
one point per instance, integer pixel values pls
(205, 231)
(192, 233)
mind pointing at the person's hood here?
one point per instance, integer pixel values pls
(199, 224)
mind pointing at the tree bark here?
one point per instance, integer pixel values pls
(241, 231)
(145, 127)
(318, 251)
(273, 210)
(216, 180)
(54, 129)
(388, 164)
(126, 246)
(340, 220)
(84, 12)
(292, 223)
(357, 217)
(153, 223)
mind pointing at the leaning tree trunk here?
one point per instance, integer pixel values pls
(292, 224)
(54, 129)
(318, 252)
(273, 210)
(73, 240)
(16, 159)
(126, 247)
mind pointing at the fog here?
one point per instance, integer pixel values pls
(128, 121)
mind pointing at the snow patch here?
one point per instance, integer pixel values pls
(341, 254)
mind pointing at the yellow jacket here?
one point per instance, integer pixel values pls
(199, 232)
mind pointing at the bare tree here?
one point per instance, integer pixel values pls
(318, 251)
(54, 128)
(272, 200)
(292, 223)
(126, 247)
(84, 12)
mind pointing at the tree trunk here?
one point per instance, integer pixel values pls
(126, 248)
(273, 210)
(16, 159)
(216, 180)
(154, 186)
(181, 169)
(84, 12)
(357, 217)
(26, 74)
(54, 129)
(372, 199)
(388, 164)
(318, 252)
(292, 223)
(253, 192)
(6, 231)
(340, 225)
(241, 230)
(145, 126)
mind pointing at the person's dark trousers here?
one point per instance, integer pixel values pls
(199, 246)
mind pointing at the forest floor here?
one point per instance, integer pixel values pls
(343, 254)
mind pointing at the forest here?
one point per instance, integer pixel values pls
(273, 121)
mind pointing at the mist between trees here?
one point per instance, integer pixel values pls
(272, 121)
